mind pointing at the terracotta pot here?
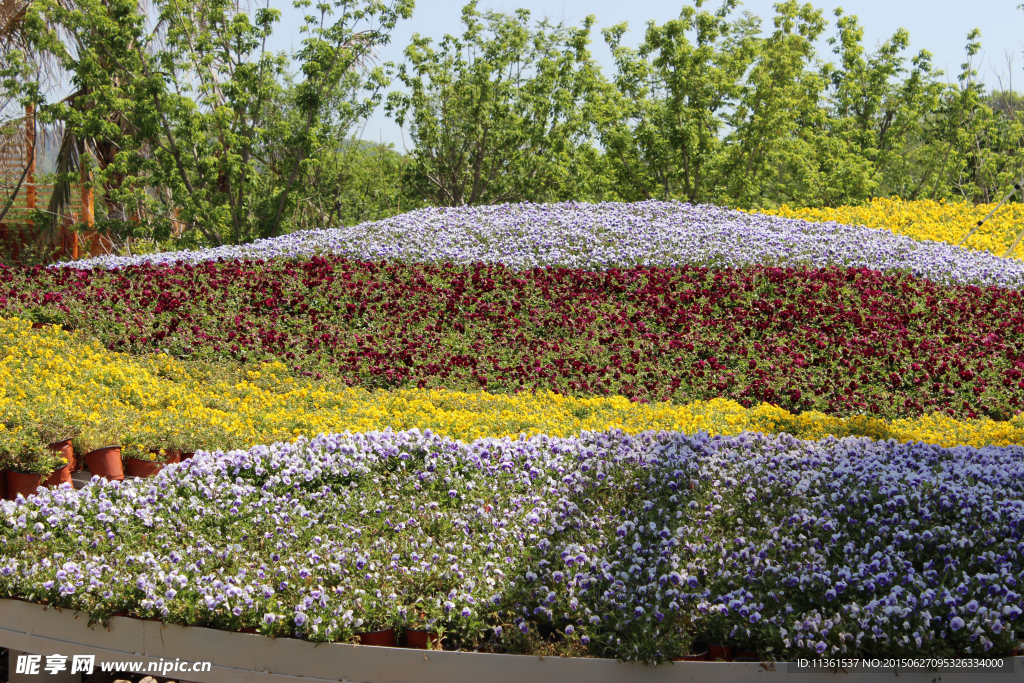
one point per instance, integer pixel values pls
(186, 456)
(105, 463)
(24, 483)
(421, 640)
(698, 653)
(66, 451)
(39, 326)
(748, 655)
(385, 638)
(136, 467)
(61, 475)
(3, 485)
(720, 652)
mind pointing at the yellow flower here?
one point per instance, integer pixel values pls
(163, 398)
(927, 220)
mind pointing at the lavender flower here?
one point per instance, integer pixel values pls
(612, 235)
(849, 546)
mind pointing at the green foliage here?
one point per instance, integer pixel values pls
(662, 118)
(497, 114)
(24, 435)
(707, 109)
(193, 127)
(984, 144)
(355, 183)
(192, 133)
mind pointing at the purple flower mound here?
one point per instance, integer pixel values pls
(632, 547)
(614, 235)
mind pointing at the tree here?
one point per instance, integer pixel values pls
(984, 146)
(358, 182)
(206, 129)
(662, 119)
(707, 110)
(497, 115)
(775, 114)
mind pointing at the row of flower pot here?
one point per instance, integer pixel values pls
(104, 462)
(429, 640)
(719, 652)
(411, 638)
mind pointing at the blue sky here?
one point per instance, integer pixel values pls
(939, 26)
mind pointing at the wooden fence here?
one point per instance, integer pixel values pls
(21, 240)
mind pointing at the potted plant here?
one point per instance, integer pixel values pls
(720, 647)
(21, 434)
(43, 317)
(376, 618)
(100, 441)
(746, 652)
(138, 457)
(166, 437)
(10, 419)
(139, 460)
(421, 630)
(750, 641)
(28, 461)
(56, 428)
(696, 652)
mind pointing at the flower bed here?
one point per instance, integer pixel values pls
(602, 544)
(926, 220)
(563, 523)
(54, 384)
(840, 342)
(613, 235)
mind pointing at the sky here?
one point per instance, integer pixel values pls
(939, 26)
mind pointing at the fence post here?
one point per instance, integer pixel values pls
(87, 214)
(30, 146)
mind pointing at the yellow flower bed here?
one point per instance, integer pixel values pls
(927, 220)
(160, 393)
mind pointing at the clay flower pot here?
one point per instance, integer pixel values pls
(385, 638)
(3, 485)
(186, 456)
(61, 475)
(66, 452)
(421, 640)
(24, 483)
(105, 463)
(41, 326)
(135, 467)
(746, 655)
(720, 652)
(698, 653)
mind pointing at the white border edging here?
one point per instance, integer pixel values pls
(244, 658)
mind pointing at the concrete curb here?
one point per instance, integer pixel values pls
(244, 658)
